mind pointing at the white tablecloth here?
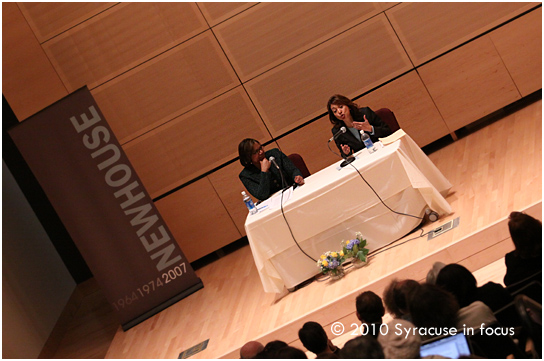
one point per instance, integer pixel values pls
(335, 203)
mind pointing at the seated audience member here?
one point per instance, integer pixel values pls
(433, 273)
(400, 345)
(251, 349)
(345, 113)
(370, 311)
(260, 178)
(396, 296)
(462, 284)
(526, 259)
(362, 347)
(474, 316)
(271, 349)
(432, 307)
(315, 339)
(290, 352)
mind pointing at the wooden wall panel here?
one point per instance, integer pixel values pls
(520, 46)
(29, 82)
(469, 83)
(216, 12)
(119, 39)
(311, 143)
(428, 29)
(271, 33)
(229, 187)
(414, 109)
(298, 90)
(165, 87)
(48, 19)
(195, 143)
(197, 219)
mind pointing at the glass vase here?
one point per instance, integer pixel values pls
(337, 273)
(357, 263)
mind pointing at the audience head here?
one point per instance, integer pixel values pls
(431, 306)
(397, 295)
(400, 345)
(290, 352)
(369, 307)
(364, 346)
(251, 349)
(246, 151)
(339, 100)
(526, 233)
(271, 349)
(460, 282)
(433, 273)
(313, 337)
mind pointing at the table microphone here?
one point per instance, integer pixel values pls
(273, 161)
(341, 131)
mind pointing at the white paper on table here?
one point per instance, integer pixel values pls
(274, 201)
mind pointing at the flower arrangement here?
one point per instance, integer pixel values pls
(356, 248)
(331, 262)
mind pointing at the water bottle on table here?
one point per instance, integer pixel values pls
(249, 203)
(368, 142)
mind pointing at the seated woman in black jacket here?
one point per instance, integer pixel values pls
(345, 113)
(260, 178)
(526, 260)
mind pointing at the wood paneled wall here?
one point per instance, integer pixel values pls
(181, 84)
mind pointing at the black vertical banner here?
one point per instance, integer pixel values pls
(90, 182)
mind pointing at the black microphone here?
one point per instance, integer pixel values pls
(283, 182)
(341, 131)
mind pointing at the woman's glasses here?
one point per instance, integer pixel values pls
(257, 151)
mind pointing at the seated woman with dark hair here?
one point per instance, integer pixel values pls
(462, 284)
(526, 259)
(258, 176)
(345, 113)
(370, 311)
(396, 297)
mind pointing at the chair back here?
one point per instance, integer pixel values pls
(530, 286)
(389, 118)
(299, 163)
(530, 313)
(495, 344)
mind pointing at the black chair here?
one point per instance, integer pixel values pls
(300, 164)
(530, 286)
(530, 313)
(496, 344)
(389, 118)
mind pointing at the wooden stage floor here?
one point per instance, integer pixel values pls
(494, 170)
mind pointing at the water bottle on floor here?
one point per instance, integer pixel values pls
(249, 203)
(368, 142)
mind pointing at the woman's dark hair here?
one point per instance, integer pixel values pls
(369, 306)
(313, 337)
(397, 294)
(431, 306)
(338, 99)
(245, 150)
(459, 281)
(526, 233)
(361, 347)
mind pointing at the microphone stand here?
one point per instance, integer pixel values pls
(283, 182)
